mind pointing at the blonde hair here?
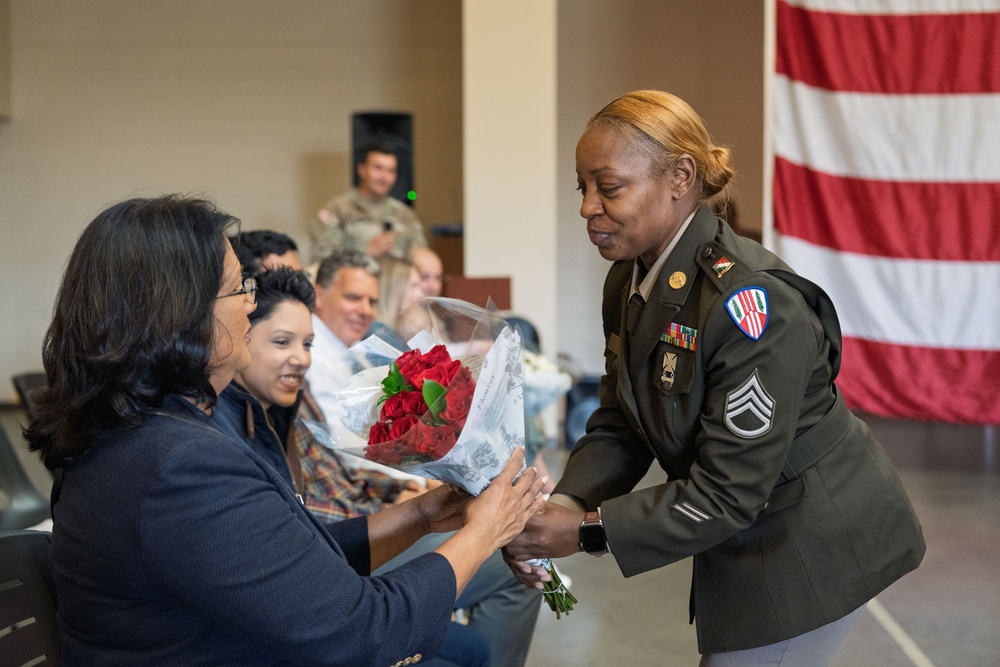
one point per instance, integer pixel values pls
(394, 280)
(667, 127)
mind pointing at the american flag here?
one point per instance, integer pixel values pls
(885, 130)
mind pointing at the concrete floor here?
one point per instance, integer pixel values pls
(945, 614)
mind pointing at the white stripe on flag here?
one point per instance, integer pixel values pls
(898, 6)
(944, 138)
(903, 301)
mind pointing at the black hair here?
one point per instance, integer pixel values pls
(377, 146)
(281, 284)
(253, 246)
(133, 321)
(344, 258)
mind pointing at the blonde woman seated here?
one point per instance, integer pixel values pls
(399, 288)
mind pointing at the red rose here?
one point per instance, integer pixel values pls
(393, 408)
(459, 396)
(440, 373)
(383, 453)
(379, 433)
(441, 440)
(410, 364)
(463, 375)
(437, 356)
(413, 403)
(415, 439)
(459, 403)
(401, 426)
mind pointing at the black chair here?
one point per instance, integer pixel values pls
(21, 505)
(29, 634)
(582, 400)
(27, 384)
(532, 343)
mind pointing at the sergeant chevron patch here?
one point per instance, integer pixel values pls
(749, 409)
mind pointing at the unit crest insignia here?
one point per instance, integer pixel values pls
(748, 308)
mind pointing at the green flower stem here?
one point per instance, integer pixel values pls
(556, 595)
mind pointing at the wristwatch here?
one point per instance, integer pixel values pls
(592, 537)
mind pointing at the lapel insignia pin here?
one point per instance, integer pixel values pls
(677, 279)
(681, 336)
(722, 266)
(669, 368)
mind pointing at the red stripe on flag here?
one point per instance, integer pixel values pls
(940, 221)
(921, 383)
(902, 53)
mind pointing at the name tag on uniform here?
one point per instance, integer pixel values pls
(615, 344)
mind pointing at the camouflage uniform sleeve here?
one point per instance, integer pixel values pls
(330, 234)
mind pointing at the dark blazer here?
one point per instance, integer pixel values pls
(176, 545)
(791, 509)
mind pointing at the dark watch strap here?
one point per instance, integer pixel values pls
(592, 534)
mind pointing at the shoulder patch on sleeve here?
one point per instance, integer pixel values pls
(748, 308)
(749, 409)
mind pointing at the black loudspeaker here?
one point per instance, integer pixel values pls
(396, 129)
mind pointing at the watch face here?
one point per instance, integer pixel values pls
(592, 538)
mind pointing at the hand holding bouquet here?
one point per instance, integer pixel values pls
(451, 407)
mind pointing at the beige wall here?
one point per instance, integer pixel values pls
(710, 53)
(4, 59)
(510, 152)
(248, 101)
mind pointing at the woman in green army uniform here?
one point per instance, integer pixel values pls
(720, 367)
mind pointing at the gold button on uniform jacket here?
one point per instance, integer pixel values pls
(792, 511)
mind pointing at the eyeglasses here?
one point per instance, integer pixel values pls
(249, 291)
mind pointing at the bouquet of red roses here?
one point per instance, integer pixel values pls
(450, 407)
(425, 402)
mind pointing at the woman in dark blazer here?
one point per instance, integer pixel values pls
(720, 367)
(174, 543)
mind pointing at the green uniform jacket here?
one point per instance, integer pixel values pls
(791, 509)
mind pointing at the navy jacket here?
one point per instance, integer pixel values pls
(176, 545)
(255, 429)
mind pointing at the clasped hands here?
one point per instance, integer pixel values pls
(536, 528)
(553, 532)
(499, 513)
